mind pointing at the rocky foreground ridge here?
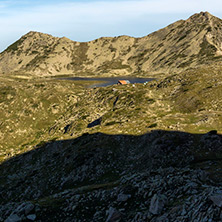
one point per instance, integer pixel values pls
(183, 44)
(159, 176)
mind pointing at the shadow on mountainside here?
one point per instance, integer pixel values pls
(72, 178)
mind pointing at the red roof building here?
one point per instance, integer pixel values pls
(123, 82)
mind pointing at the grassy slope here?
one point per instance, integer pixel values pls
(33, 111)
(187, 102)
(28, 108)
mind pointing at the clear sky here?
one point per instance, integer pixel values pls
(84, 20)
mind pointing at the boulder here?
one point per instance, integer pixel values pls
(217, 200)
(157, 204)
(13, 218)
(31, 217)
(113, 215)
(28, 208)
(212, 132)
(123, 197)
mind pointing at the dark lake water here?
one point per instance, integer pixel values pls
(107, 81)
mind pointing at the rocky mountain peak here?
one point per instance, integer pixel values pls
(201, 17)
(35, 33)
(38, 37)
(183, 44)
(30, 33)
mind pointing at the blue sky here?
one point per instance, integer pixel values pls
(86, 20)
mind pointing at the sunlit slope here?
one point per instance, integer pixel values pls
(183, 44)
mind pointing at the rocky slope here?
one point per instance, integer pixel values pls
(112, 158)
(190, 43)
(159, 176)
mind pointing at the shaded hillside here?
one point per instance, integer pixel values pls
(190, 43)
(159, 176)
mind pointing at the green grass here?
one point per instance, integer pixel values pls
(30, 106)
(29, 115)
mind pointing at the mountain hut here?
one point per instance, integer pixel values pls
(123, 82)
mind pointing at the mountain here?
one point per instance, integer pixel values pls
(137, 152)
(155, 154)
(181, 45)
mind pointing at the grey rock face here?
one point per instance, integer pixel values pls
(13, 218)
(31, 217)
(217, 200)
(28, 208)
(113, 215)
(123, 197)
(157, 204)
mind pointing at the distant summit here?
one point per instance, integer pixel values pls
(202, 16)
(181, 45)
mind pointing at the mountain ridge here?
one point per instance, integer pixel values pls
(135, 152)
(181, 45)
